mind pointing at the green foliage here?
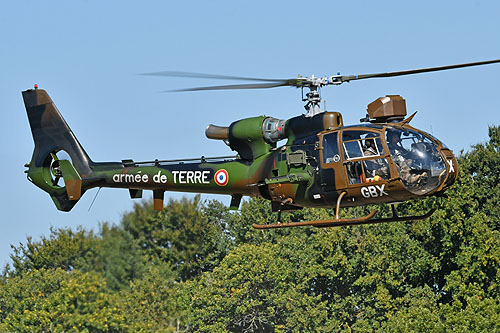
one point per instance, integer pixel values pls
(113, 252)
(199, 267)
(255, 289)
(155, 302)
(64, 248)
(185, 235)
(482, 167)
(55, 300)
(421, 313)
(117, 257)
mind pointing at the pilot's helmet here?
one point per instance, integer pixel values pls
(392, 132)
(369, 139)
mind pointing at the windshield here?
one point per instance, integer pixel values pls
(419, 164)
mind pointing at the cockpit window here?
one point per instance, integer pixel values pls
(365, 156)
(330, 148)
(358, 144)
(353, 149)
(418, 162)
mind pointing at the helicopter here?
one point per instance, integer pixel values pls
(382, 160)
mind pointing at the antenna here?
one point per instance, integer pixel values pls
(92, 203)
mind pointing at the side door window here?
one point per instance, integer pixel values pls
(330, 148)
(330, 174)
(364, 156)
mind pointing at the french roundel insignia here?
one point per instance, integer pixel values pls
(221, 177)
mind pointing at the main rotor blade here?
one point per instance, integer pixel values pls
(347, 78)
(210, 76)
(301, 81)
(236, 86)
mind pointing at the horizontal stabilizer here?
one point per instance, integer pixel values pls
(71, 179)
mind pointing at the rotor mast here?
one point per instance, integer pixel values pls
(313, 99)
(313, 96)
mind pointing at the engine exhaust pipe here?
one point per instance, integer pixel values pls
(217, 132)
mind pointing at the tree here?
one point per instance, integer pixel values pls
(64, 248)
(112, 252)
(255, 290)
(117, 256)
(156, 302)
(57, 300)
(482, 167)
(190, 238)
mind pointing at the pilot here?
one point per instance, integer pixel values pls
(398, 153)
(393, 142)
(374, 167)
(369, 148)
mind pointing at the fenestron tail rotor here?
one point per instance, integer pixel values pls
(55, 169)
(313, 83)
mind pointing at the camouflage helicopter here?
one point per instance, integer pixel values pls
(322, 164)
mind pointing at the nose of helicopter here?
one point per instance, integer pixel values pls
(438, 171)
(452, 168)
(425, 165)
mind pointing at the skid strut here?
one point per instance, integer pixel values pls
(338, 222)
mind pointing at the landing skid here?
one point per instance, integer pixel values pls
(344, 222)
(338, 222)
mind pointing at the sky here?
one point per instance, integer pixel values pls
(87, 54)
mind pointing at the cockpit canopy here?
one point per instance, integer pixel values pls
(367, 154)
(419, 163)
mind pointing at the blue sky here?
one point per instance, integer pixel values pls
(87, 55)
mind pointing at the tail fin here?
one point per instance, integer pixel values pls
(53, 136)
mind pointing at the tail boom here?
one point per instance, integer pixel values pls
(227, 177)
(47, 169)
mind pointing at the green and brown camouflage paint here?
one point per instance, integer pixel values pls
(291, 176)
